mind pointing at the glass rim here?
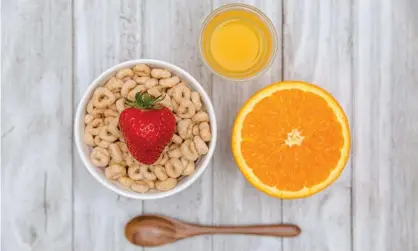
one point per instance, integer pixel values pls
(263, 17)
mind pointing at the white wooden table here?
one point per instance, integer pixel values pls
(365, 52)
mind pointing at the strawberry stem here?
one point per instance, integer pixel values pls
(143, 100)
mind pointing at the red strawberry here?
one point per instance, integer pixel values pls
(147, 127)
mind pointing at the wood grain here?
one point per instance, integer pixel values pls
(170, 33)
(385, 185)
(317, 49)
(235, 201)
(106, 33)
(36, 125)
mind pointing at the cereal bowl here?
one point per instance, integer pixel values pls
(200, 164)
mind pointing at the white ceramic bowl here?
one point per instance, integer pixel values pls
(85, 150)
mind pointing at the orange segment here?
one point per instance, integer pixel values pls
(291, 139)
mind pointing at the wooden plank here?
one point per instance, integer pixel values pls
(171, 31)
(235, 201)
(36, 125)
(317, 48)
(385, 187)
(106, 33)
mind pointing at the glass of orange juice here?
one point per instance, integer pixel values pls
(238, 42)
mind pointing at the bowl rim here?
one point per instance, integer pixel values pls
(79, 123)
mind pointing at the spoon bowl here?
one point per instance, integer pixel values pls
(150, 231)
(155, 230)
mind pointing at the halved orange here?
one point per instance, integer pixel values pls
(291, 139)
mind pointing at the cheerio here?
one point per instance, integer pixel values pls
(238, 42)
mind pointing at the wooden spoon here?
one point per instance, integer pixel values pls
(154, 230)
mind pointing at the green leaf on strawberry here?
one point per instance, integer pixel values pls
(143, 100)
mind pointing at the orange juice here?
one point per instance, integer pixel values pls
(238, 41)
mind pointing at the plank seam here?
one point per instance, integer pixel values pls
(353, 111)
(73, 115)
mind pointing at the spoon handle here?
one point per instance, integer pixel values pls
(279, 230)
